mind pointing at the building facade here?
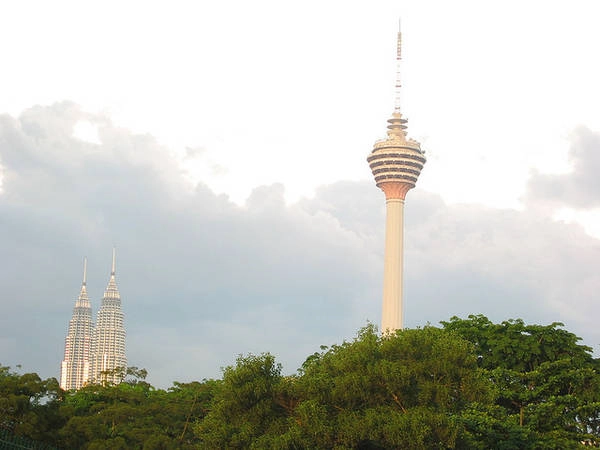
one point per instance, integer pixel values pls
(396, 163)
(108, 347)
(75, 367)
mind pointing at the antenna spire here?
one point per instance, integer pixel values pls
(114, 264)
(398, 59)
(84, 271)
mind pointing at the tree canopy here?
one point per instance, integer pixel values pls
(547, 381)
(469, 384)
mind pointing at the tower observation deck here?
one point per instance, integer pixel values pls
(396, 163)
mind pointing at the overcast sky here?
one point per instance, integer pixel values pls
(222, 148)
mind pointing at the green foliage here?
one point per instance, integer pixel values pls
(547, 382)
(398, 391)
(487, 426)
(28, 405)
(472, 384)
(516, 346)
(135, 415)
(249, 403)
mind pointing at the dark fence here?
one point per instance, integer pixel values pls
(9, 441)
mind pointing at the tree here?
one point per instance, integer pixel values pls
(547, 382)
(472, 384)
(399, 391)
(394, 391)
(29, 405)
(134, 414)
(247, 406)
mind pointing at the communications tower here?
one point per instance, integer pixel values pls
(396, 163)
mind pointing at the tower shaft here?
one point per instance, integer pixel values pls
(391, 310)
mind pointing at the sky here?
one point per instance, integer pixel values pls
(221, 148)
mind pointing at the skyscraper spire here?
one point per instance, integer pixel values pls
(114, 263)
(84, 271)
(112, 290)
(75, 367)
(396, 163)
(83, 299)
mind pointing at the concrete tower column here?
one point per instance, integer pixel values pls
(391, 311)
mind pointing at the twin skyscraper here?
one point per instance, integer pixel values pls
(93, 353)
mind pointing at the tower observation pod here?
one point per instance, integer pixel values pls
(396, 163)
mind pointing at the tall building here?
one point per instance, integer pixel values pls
(75, 367)
(108, 349)
(396, 163)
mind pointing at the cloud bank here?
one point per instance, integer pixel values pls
(580, 188)
(203, 279)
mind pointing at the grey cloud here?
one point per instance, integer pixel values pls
(187, 260)
(580, 188)
(203, 279)
(504, 263)
(194, 152)
(465, 259)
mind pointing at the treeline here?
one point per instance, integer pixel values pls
(470, 384)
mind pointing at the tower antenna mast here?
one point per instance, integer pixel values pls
(398, 84)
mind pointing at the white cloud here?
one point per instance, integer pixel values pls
(86, 131)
